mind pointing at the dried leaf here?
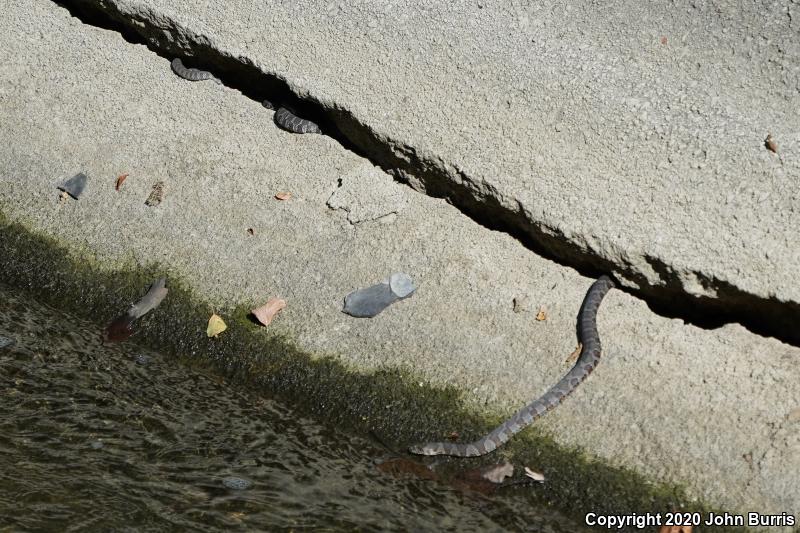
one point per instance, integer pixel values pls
(574, 355)
(283, 196)
(536, 476)
(771, 145)
(120, 180)
(453, 435)
(267, 312)
(215, 325)
(497, 473)
(664, 40)
(156, 195)
(542, 314)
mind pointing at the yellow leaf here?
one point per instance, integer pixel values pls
(215, 326)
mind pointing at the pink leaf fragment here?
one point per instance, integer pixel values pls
(267, 312)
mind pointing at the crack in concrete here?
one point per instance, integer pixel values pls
(673, 293)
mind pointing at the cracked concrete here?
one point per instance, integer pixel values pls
(605, 144)
(367, 194)
(672, 401)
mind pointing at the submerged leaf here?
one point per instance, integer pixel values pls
(215, 325)
(497, 473)
(267, 312)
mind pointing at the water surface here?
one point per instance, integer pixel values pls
(100, 437)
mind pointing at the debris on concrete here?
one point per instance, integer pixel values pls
(121, 327)
(75, 185)
(156, 195)
(368, 302)
(215, 326)
(536, 476)
(267, 312)
(120, 180)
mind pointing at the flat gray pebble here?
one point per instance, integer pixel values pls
(75, 185)
(368, 302)
(6, 342)
(237, 483)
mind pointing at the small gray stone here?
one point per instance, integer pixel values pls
(6, 342)
(368, 302)
(401, 284)
(75, 185)
(237, 483)
(142, 359)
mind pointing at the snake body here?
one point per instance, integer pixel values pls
(191, 74)
(587, 361)
(291, 122)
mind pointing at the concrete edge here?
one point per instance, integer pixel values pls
(391, 403)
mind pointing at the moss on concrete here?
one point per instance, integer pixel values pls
(390, 403)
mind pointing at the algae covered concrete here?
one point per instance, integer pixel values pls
(716, 411)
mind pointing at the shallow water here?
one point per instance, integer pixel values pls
(115, 437)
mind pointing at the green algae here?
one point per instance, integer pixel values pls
(390, 403)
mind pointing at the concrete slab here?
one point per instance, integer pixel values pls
(626, 137)
(715, 410)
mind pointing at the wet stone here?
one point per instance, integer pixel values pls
(142, 359)
(6, 342)
(237, 483)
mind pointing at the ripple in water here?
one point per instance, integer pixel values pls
(116, 437)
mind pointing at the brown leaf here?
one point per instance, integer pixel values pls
(283, 196)
(156, 195)
(267, 312)
(771, 145)
(663, 40)
(574, 355)
(120, 180)
(497, 473)
(542, 314)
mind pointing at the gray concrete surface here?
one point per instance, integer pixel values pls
(629, 135)
(716, 410)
